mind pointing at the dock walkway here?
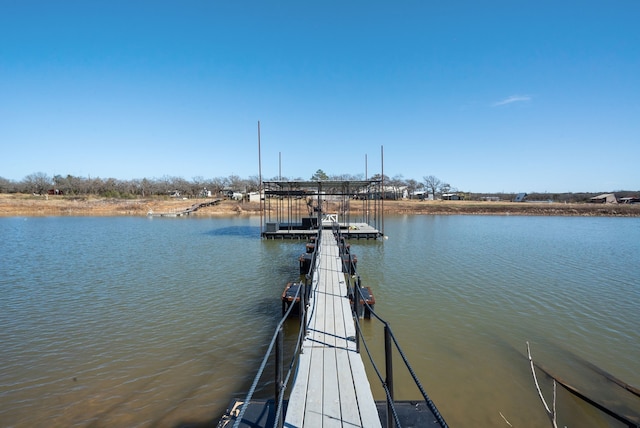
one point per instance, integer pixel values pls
(331, 386)
(185, 211)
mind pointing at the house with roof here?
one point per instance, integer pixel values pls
(605, 198)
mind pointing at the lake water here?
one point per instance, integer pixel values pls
(160, 322)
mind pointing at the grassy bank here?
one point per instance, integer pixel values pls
(18, 205)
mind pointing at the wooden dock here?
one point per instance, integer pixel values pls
(331, 387)
(186, 211)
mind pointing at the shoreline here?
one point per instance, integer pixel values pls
(47, 206)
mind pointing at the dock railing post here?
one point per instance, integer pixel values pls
(389, 374)
(356, 307)
(279, 370)
(303, 309)
(304, 301)
(307, 288)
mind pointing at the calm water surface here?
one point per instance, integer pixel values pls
(159, 322)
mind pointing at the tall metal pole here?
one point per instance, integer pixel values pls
(383, 190)
(366, 177)
(280, 202)
(319, 208)
(260, 181)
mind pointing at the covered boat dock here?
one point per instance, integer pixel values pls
(296, 209)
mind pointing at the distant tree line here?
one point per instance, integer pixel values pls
(40, 183)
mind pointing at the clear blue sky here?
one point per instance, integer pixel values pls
(487, 96)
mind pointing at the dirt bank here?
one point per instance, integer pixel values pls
(511, 208)
(29, 205)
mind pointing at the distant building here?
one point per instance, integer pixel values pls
(388, 192)
(605, 198)
(630, 200)
(451, 197)
(423, 195)
(520, 197)
(255, 196)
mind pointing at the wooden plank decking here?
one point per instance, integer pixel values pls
(331, 386)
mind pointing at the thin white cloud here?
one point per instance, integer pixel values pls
(512, 99)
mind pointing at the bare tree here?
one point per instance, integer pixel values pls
(346, 177)
(412, 186)
(432, 184)
(181, 185)
(218, 184)
(153, 187)
(109, 187)
(235, 182)
(253, 183)
(136, 187)
(445, 188)
(380, 177)
(397, 183)
(166, 185)
(38, 182)
(77, 185)
(6, 185)
(197, 186)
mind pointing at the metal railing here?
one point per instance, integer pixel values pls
(276, 346)
(390, 341)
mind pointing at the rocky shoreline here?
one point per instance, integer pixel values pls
(34, 206)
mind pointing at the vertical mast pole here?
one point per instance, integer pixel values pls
(260, 189)
(383, 190)
(366, 203)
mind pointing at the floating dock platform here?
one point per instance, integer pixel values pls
(298, 209)
(297, 231)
